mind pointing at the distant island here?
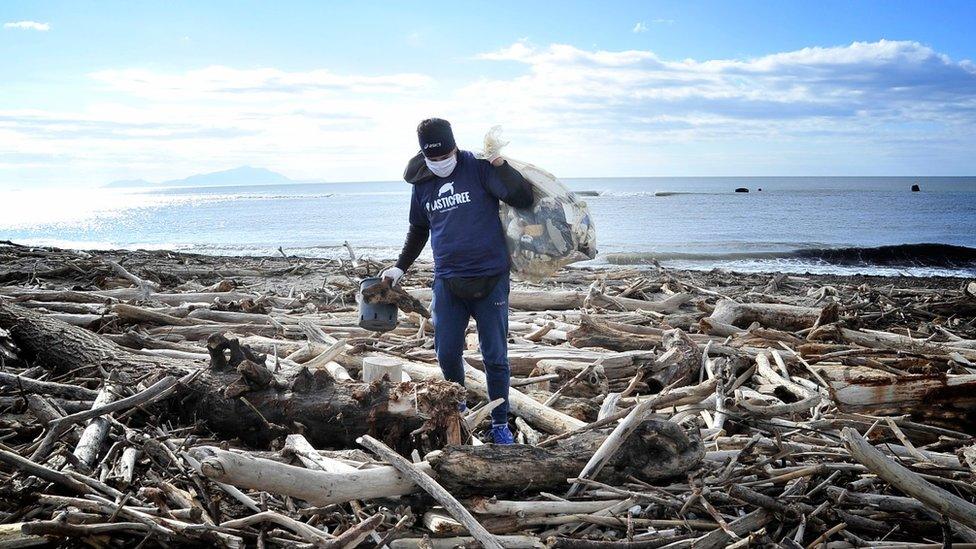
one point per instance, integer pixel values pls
(244, 175)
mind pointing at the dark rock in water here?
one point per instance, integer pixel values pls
(742, 190)
(915, 188)
(585, 193)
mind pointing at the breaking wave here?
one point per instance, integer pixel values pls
(942, 256)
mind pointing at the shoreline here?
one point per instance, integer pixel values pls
(148, 255)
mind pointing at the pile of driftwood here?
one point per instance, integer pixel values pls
(155, 398)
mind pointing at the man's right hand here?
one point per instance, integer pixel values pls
(394, 274)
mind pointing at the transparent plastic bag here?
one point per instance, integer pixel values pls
(556, 231)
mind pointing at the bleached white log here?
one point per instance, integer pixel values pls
(127, 464)
(936, 498)
(97, 429)
(315, 487)
(770, 315)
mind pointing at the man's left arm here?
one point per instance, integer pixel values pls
(506, 184)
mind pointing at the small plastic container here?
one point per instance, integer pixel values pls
(376, 317)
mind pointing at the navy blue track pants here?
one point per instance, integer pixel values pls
(450, 316)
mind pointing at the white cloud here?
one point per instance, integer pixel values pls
(27, 25)
(878, 77)
(575, 111)
(875, 98)
(228, 82)
(640, 27)
(518, 51)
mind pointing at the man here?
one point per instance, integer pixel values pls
(455, 204)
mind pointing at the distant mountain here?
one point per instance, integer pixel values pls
(245, 175)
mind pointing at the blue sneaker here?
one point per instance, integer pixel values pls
(500, 434)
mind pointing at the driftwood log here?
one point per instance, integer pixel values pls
(329, 413)
(383, 292)
(770, 315)
(657, 450)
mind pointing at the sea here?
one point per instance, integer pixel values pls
(842, 225)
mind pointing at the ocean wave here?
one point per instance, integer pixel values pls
(945, 256)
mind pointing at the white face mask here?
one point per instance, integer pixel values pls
(442, 168)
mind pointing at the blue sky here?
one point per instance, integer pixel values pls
(91, 92)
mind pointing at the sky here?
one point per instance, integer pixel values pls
(92, 92)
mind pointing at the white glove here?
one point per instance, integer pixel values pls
(394, 274)
(496, 160)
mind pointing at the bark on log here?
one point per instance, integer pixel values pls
(657, 449)
(596, 333)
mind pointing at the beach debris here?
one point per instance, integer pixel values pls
(556, 231)
(384, 292)
(186, 400)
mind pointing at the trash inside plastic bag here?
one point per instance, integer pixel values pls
(556, 231)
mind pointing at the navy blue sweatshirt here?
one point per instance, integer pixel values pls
(460, 212)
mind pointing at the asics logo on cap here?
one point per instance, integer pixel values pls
(431, 145)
